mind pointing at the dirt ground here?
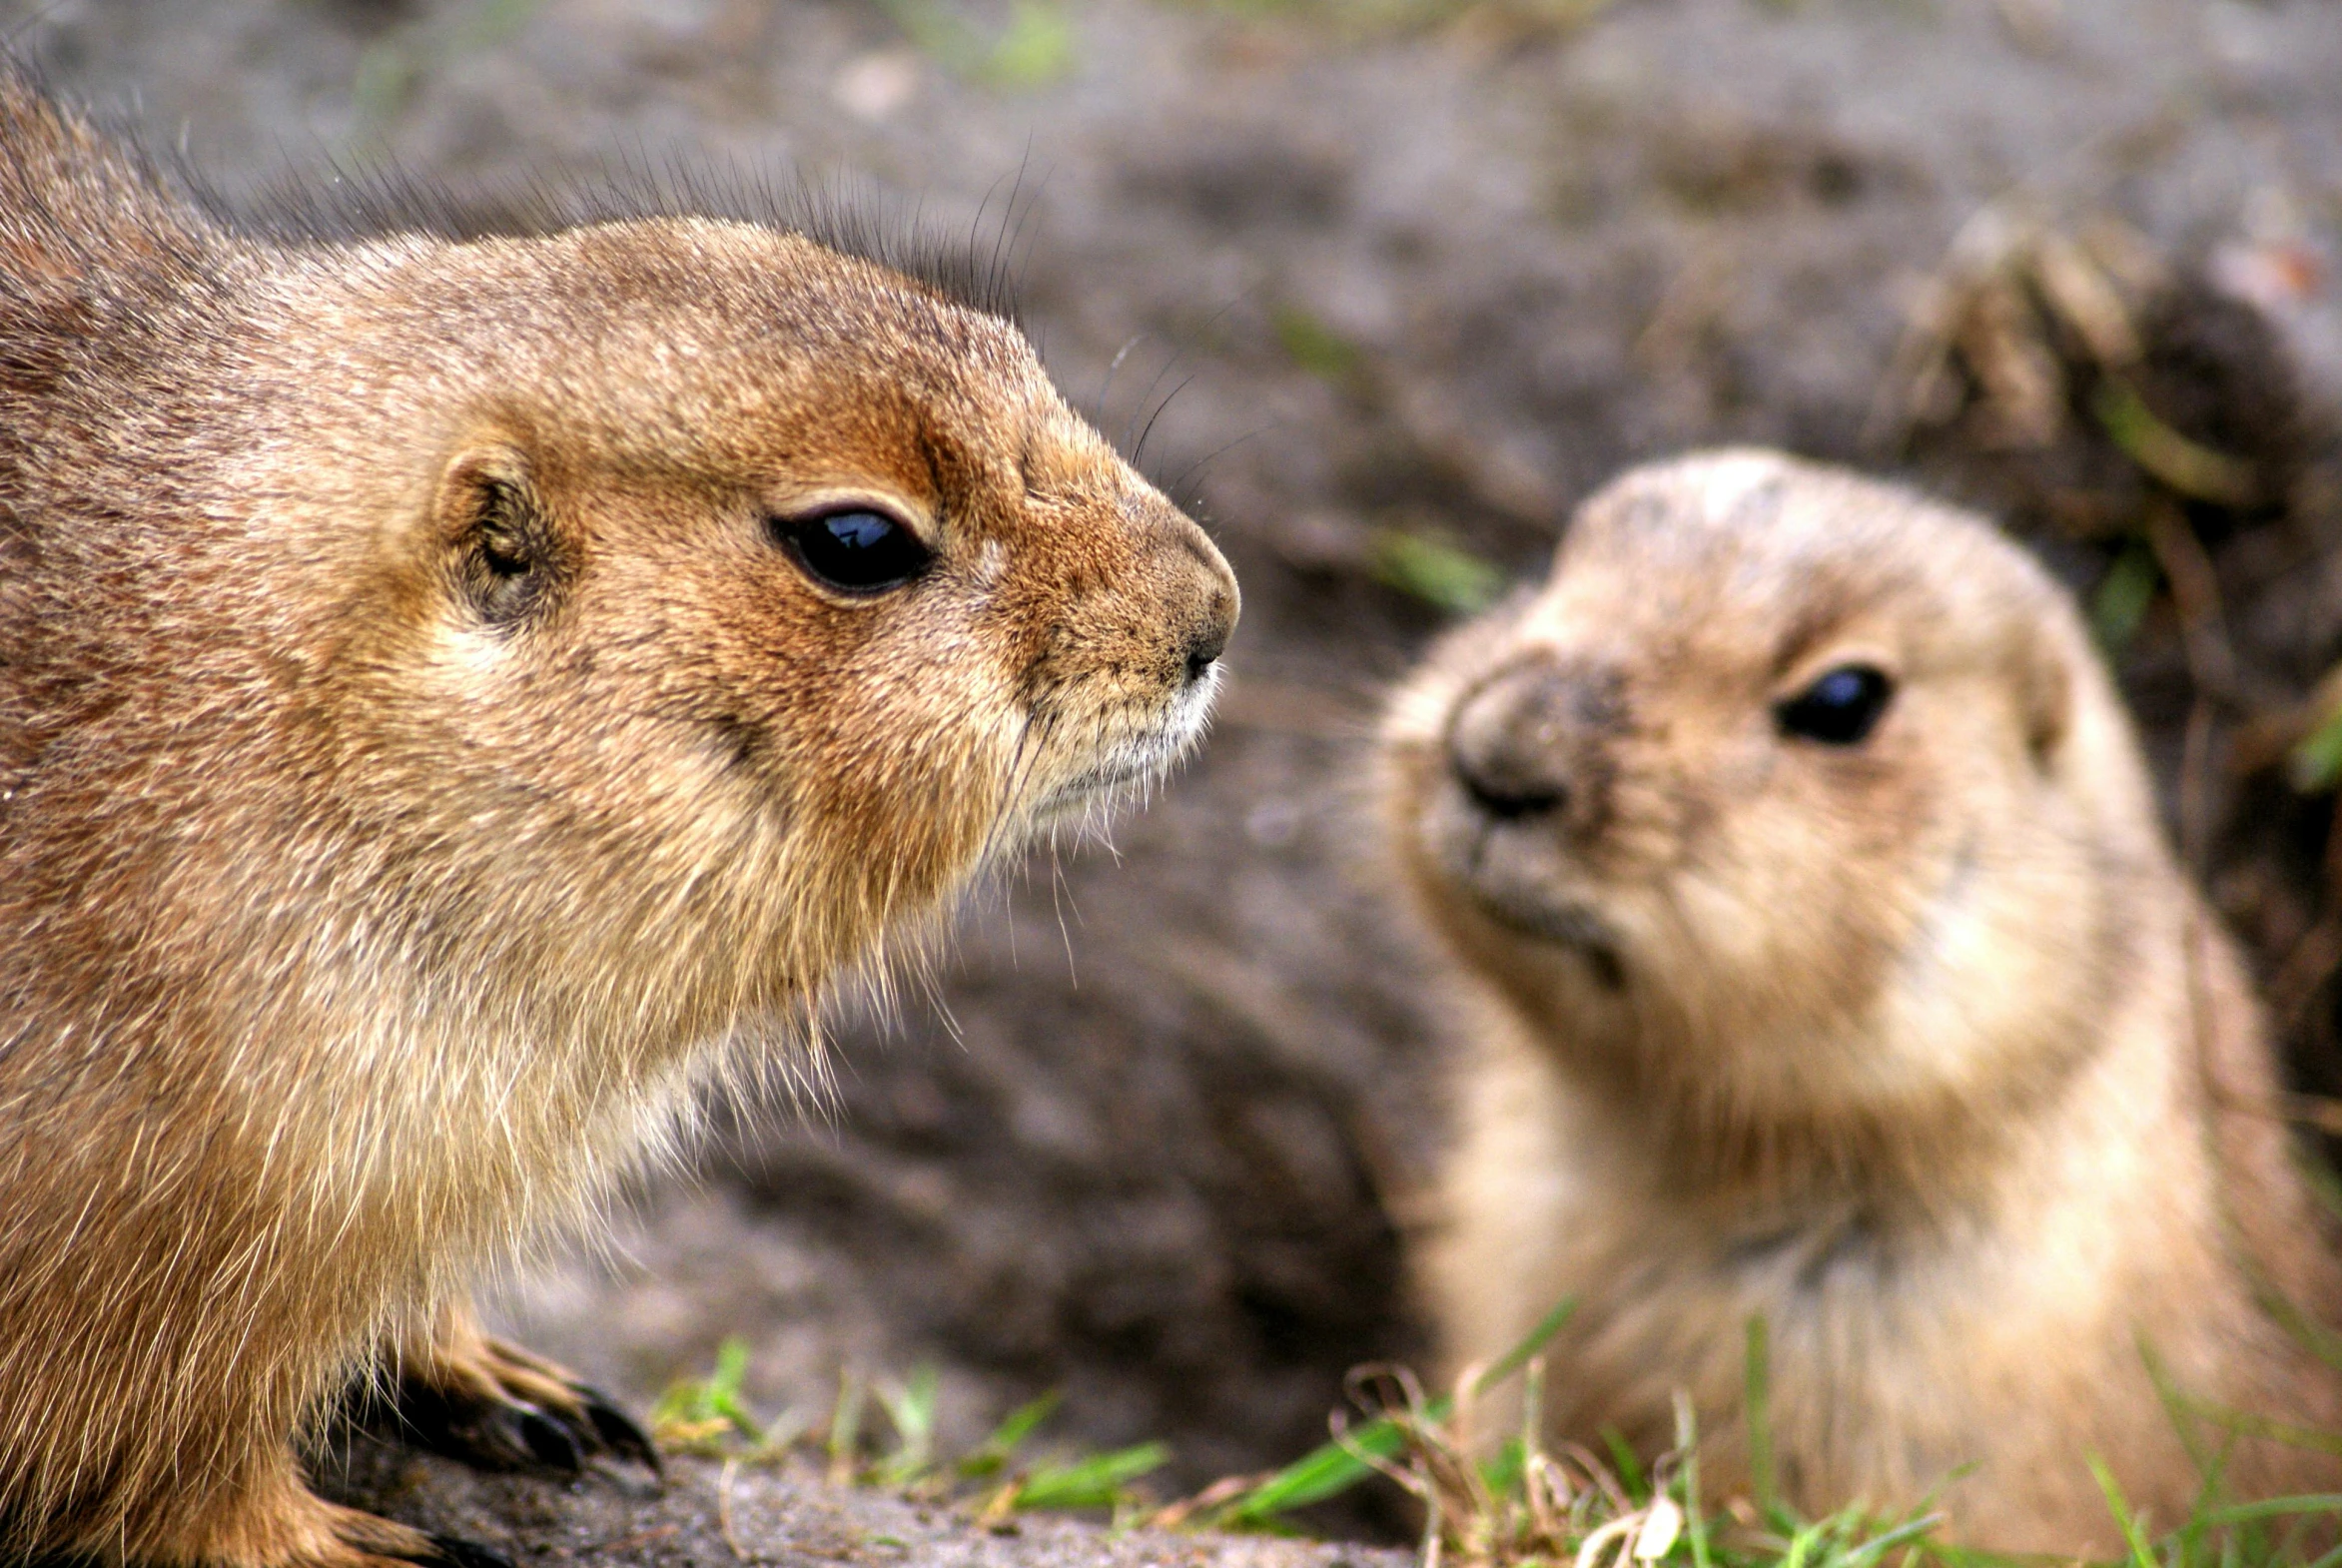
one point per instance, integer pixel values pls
(704, 1515)
(1420, 274)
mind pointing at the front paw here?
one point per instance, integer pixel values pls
(493, 1405)
(275, 1521)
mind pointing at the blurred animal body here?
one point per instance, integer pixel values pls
(448, 693)
(1822, 961)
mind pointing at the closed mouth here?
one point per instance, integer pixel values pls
(1140, 758)
(1564, 925)
(1100, 780)
(1135, 763)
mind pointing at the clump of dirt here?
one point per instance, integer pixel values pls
(1420, 277)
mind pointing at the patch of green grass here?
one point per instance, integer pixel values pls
(1096, 1481)
(709, 1417)
(1317, 348)
(2123, 595)
(1437, 571)
(393, 66)
(1034, 48)
(994, 1453)
(383, 81)
(1379, 18)
(1528, 1505)
(1333, 1468)
(910, 1409)
(2188, 466)
(706, 1415)
(2315, 762)
(1524, 1504)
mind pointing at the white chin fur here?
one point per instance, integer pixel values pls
(1126, 767)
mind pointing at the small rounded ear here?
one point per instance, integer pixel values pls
(505, 551)
(2046, 685)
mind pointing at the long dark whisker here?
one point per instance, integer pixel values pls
(1138, 451)
(1180, 483)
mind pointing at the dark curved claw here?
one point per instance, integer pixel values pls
(494, 1405)
(510, 1435)
(551, 1441)
(553, 1434)
(618, 1433)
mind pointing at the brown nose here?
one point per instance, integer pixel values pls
(1217, 607)
(1522, 744)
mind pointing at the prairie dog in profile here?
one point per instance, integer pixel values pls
(448, 691)
(1822, 960)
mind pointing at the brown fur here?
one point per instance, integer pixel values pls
(367, 901)
(1922, 1049)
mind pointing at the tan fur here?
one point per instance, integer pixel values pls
(1922, 1049)
(365, 907)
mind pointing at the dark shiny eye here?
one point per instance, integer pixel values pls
(1840, 709)
(853, 551)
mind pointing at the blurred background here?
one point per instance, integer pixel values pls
(1389, 284)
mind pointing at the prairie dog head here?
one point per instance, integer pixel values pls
(715, 604)
(1789, 796)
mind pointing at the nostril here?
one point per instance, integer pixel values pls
(1519, 743)
(1203, 650)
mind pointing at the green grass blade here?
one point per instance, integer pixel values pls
(1758, 1379)
(2188, 466)
(1687, 1443)
(1879, 1546)
(2123, 595)
(1437, 571)
(910, 1410)
(712, 1402)
(2275, 1508)
(1322, 1472)
(994, 1453)
(1315, 347)
(1627, 1463)
(1334, 1468)
(845, 1434)
(1100, 1481)
(2140, 1554)
(1517, 1358)
(2316, 762)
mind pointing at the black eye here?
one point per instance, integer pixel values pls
(853, 551)
(1840, 709)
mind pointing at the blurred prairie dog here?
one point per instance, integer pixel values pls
(1822, 960)
(448, 691)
